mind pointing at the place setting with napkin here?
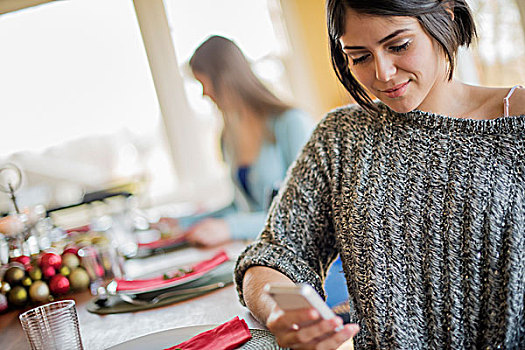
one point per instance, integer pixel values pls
(174, 285)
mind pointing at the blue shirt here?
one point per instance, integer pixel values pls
(247, 214)
(291, 129)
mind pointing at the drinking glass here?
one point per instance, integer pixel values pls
(52, 326)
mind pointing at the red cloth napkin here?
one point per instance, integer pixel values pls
(164, 242)
(198, 270)
(227, 336)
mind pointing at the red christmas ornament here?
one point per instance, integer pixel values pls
(23, 259)
(51, 259)
(48, 271)
(73, 250)
(59, 284)
(3, 303)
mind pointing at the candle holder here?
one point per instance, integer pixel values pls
(18, 231)
(10, 181)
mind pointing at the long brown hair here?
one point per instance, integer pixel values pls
(221, 60)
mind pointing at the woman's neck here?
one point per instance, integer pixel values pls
(448, 98)
(460, 100)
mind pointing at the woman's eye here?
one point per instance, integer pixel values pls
(360, 59)
(400, 48)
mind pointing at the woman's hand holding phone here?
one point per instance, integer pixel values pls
(301, 320)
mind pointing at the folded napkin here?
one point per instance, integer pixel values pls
(163, 242)
(197, 270)
(114, 304)
(227, 336)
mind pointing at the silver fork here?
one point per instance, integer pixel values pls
(128, 299)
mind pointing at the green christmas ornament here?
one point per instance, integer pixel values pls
(14, 275)
(17, 296)
(27, 281)
(79, 279)
(35, 273)
(64, 270)
(39, 291)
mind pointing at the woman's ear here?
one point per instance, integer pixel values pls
(449, 7)
(451, 12)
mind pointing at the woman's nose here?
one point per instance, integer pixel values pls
(385, 68)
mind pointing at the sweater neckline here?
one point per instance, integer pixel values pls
(508, 125)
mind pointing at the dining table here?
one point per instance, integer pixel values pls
(104, 331)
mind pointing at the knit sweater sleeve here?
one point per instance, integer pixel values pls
(298, 238)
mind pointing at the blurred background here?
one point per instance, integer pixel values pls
(96, 94)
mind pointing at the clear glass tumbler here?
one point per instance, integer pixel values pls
(52, 326)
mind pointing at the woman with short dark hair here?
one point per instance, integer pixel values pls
(419, 188)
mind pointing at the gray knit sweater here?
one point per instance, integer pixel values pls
(428, 215)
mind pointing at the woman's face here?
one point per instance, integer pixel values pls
(395, 60)
(207, 86)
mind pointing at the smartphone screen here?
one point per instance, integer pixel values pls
(299, 296)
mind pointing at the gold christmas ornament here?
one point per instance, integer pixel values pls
(39, 291)
(79, 279)
(14, 275)
(70, 260)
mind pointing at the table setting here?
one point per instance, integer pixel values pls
(123, 295)
(166, 299)
(114, 279)
(187, 307)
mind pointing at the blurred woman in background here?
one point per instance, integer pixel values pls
(261, 137)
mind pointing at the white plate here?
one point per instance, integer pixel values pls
(261, 339)
(163, 339)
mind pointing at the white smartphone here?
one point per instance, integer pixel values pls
(299, 296)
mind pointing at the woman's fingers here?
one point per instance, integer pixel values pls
(209, 232)
(306, 336)
(199, 235)
(304, 329)
(319, 330)
(339, 338)
(280, 321)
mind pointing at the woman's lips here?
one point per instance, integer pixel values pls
(397, 90)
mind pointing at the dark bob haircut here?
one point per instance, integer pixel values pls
(450, 32)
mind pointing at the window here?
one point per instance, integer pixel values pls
(79, 100)
(252, 29)
(496, 59)
(78, 104)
